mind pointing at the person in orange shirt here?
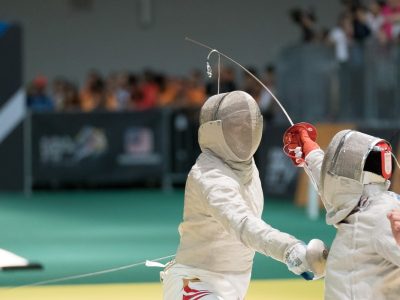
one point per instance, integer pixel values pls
(148, 92)
(92, 94)
(195, 90)
(170, 91)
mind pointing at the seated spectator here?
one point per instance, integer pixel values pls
(37, 99)
(92, 94)
(227, 81)
(171, 92)
(148, 92)
(194, 90)
(249, 85)
(71, 98)
(58, 92)
(65, 95)
(118, 97)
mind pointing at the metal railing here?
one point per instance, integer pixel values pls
(315, 87)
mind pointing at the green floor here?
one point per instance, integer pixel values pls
(79, 232)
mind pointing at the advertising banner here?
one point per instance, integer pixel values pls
(97, 148)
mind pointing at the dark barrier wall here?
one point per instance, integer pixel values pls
(158, 146)
(184, 145)
(11, 147)
(99, 148)
(277, 173)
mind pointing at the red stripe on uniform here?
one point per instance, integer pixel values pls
(192, 294)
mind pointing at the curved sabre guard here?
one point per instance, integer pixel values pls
(292, 143)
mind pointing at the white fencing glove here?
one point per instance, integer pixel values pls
(302, 259)
(295, 259)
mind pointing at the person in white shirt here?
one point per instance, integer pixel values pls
(341, 37)
(222, 226)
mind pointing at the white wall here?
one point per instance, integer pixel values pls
(61, 40)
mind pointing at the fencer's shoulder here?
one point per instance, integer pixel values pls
(379, 206)
(394, 196)
(385, 201)
(390, 199)
(209, 167)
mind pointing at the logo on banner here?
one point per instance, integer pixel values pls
(139, 147)
(90, 142)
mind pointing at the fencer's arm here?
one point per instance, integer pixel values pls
(229, 208)
(313, 166)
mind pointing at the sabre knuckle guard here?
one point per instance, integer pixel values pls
(292, 141)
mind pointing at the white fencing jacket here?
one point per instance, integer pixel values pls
(222, 226)
(364, 260)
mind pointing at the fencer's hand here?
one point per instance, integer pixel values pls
(295, 259)
(301, 259)
(317, 255)
(299, 141)
(394, 218)
(308, 144)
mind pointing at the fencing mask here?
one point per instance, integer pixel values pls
(231, 126)
(348, 162)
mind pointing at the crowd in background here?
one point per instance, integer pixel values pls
(124, 91)
(359, 22)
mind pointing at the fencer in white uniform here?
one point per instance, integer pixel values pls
(352, 178)
(222, 226)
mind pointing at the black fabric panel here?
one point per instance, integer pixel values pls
(12, 161)
(10, 62)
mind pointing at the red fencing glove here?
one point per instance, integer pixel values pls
(308, 144)
(298, 141)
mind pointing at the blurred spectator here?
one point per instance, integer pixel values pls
(111, 89)
(71, 98)
(361, 30)
(93, 94)
(118, 94)
(249, 85)
(148, 91)
(267, 103)
(133, 88)
(375, 18)
(341, 37)
(58, 93)
(194, 90)
(37, 99)
(171, 92)
(306, 20)
(65, 95)
(227, 81)
(391, 25)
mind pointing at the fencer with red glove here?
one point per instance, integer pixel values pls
(352, 177)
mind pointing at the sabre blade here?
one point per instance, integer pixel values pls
(247, 71)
